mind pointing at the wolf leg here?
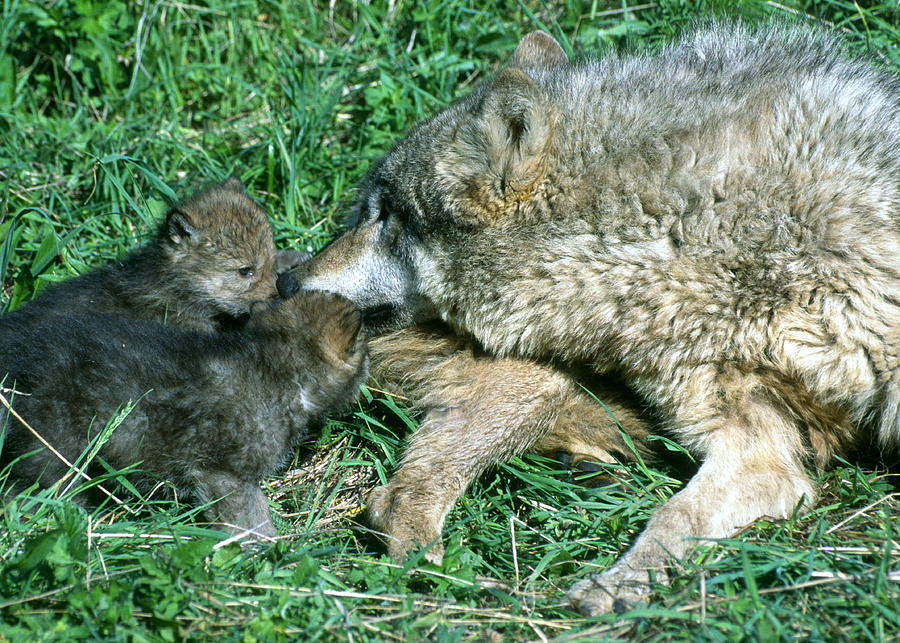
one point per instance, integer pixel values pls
(752, 469)
(589, 425)
(480, 410)
(500, 412)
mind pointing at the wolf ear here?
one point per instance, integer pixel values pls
(538, 49)
(180, 229)
(232, 183)
(499, 156)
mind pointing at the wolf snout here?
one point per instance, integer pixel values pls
(287, 259)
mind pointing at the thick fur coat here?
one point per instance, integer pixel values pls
(716, 224)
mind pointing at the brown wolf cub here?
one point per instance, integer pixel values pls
(214, 412)
(718, 225)
(212, 257)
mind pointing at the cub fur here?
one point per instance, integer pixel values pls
(224, 377)
(212, 257)
(214, 412)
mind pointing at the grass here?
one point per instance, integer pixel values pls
(108, 109)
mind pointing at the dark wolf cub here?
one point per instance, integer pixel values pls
(718, 225)
(214, 412)
(212, 257)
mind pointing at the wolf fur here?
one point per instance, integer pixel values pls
(212, 257)
(716, 224)
(466, 396)
(214, 412)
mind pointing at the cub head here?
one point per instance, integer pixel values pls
(479, 163)
(328, 345)
(220, 249)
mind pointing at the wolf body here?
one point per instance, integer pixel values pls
(213, 412)
(212, 257)
(716, 224)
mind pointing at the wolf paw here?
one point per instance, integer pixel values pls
(403, 523)
(616, 590)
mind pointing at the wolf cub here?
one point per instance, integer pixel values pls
(213, 412)
(224, 376)
(211, 258)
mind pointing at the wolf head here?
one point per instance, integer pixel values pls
(478, 163)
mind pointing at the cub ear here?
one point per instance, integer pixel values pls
(181, 230)
(538, 49)
(343, 325)
(232, 183)
(499, 155)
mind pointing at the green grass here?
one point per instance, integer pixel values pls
(108, 109)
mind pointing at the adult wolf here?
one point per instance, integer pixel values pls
(716, 224)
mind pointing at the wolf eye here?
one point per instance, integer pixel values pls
(378, 207)
(247, 271)
(390, 209)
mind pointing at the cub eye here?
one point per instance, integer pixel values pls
(247, 271)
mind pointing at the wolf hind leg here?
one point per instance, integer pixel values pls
(480, 410)
(588, 428)
(752, 468)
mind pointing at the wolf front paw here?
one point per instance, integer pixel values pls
(402, 522)
(616, 590)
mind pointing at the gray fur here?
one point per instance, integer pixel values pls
(225, 379)
(214, 412)
(189, 274)
(717, 224)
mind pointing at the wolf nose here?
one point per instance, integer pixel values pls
(287, 284)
